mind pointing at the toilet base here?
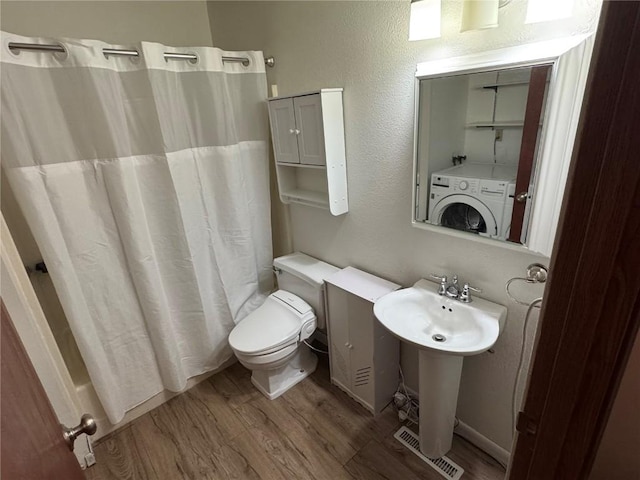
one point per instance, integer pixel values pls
(273, 383)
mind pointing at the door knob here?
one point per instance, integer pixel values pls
(521, 197)
(87, 426)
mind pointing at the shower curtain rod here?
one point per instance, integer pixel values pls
(269, 61)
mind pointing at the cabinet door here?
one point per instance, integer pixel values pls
(283, 131)
(308, 112)
(338, 325)
(361, 346)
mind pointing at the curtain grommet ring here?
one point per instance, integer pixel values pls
(61, 56)
(194, 61)
(13, 52)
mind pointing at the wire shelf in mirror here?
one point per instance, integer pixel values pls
(504, 84)
(500, 124)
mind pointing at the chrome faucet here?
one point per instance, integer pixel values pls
(465, 295)
(442, 289)
(453, 290)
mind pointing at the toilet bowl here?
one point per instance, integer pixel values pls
(269, 341)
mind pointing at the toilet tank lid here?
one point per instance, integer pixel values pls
(307, 268)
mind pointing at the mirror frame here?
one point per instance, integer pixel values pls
(570, 58)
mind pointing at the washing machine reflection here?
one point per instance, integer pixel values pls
(474, 197)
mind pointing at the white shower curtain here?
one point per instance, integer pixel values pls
(145, 184)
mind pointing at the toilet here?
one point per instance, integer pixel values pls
(269, 341)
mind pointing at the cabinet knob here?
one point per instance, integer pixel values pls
(292, 130)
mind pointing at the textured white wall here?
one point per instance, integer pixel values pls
(363, 47)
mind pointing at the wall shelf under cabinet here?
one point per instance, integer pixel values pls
(307, 197)
(302, 165)
(309, 148)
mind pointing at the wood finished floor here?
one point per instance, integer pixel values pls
(223, 428)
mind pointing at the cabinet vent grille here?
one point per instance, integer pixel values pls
(362, 377)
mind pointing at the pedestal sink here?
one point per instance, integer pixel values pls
(445, 330)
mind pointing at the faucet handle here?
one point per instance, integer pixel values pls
(440, 278)
(443, 282)
(465, 296)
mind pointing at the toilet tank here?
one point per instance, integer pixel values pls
(304, 276)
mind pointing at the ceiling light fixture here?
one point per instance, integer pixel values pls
(481, 14)
(424, 22)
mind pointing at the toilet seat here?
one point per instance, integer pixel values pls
(269, 361)
(274, 328)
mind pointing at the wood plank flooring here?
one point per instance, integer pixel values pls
(223, 428)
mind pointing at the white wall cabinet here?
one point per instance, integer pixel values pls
(309, 148)
(364, 357)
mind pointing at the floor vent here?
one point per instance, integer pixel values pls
(442, 465)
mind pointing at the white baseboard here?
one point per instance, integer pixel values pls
(483, 443)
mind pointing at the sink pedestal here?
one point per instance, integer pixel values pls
(445, 331)
(439, 384)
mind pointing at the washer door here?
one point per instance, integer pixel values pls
(465, 213)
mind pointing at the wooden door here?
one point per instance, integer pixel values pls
(31, 440)
(591, 313)
(308, 111)
(528, 149)
(284, 131)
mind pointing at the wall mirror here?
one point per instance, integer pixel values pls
(493, 140)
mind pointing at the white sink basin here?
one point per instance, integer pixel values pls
(421, 317)
(445, 331)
